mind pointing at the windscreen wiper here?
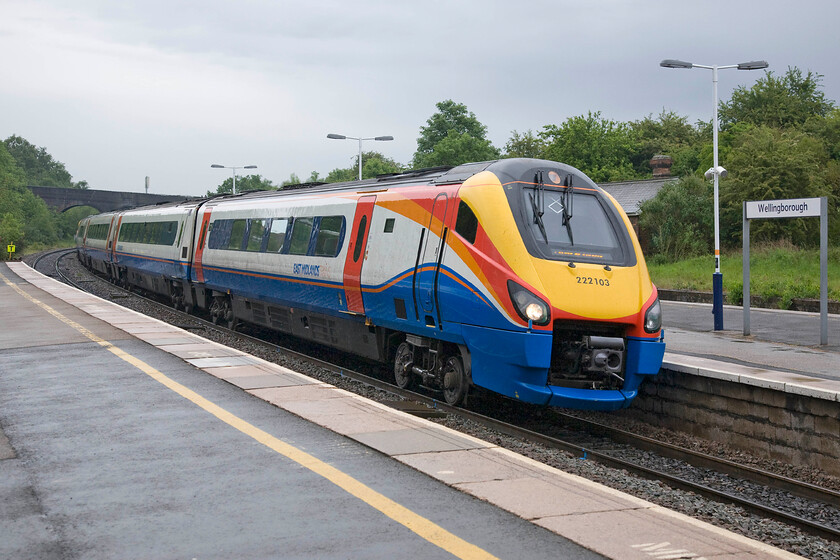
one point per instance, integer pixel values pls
(538, 204)
(568, 202)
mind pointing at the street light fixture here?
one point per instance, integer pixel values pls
(342, 137)
(716, 172)
(234, 168)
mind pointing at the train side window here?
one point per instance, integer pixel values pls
(157, 233)
(466, 224)
(360, 236)
(204, 227)
(277, 235)
(256, 235)
(218, 236)
(301, 232)
(180, 233)
(147, 233)
(237, 235)
(168, 232)
(389, 225)
(329, 237)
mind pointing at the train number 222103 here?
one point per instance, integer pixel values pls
(593, 281)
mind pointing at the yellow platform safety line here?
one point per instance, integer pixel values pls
(418, 524)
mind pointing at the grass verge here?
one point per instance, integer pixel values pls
(778, 273)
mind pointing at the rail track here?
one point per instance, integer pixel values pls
(590, 438)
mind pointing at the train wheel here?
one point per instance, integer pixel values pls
(226, 316)
(126, 285)
(402, 364)
(455, 383)
(218, 310)
(176, 294)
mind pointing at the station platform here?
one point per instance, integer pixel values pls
(127, 437)
(782, 353)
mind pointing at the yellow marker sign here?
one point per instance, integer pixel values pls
(11, 248)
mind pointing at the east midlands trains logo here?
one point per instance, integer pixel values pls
(307, 270)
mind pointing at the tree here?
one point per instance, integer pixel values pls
(292, 180)
(457, 148)
(668, 134)
(784, 101)
(68, 221)
(599, 147)
(828, 130)
(26, 219)
(11, 231)
(341, 175)
(37, 164)
(525, 145)
(769, 164)
(679, 220)
(373, 165)
(246, 183)
(38, 223)
(452, 136)
(10, 173)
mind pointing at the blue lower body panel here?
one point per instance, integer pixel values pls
(516, 364)
(591, 399)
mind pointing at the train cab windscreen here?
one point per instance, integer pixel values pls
(572, 224)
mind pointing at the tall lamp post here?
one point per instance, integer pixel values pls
(234, 167)
(342, 137)
(716, 172)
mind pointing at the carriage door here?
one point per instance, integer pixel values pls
(113, 237)
(198, 267)
(356, 254)
(428, 263)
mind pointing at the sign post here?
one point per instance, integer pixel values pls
(10, 248)
(790, 208)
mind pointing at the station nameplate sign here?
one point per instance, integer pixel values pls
(790, 208)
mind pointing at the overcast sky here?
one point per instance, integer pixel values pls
(121, 90)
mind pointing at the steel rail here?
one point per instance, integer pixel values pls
(802, 489)
(42, 256)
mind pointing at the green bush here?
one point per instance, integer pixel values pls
(679, 219)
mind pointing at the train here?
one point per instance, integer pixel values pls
(518, 276)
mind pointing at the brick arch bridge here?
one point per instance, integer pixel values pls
(63, 199)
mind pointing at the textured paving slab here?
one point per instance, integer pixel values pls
(238, 360)
(468, 465)
(198, 350)
(643, 534)
(423, 439)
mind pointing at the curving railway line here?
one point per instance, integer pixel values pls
(805, 507)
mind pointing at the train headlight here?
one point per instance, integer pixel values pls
(528, 306)
(653, 317)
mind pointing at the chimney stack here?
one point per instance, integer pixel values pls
(661, 166)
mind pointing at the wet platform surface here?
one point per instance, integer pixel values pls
(135, 439)
(783, 352)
